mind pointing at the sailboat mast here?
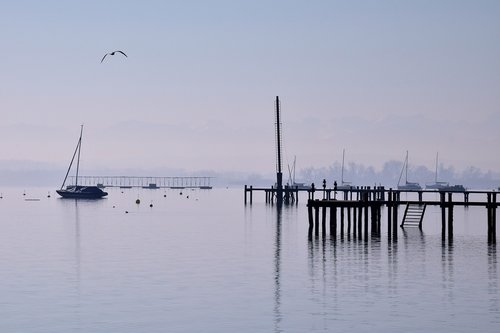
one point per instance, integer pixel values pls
(436, 168)
(342, 173)
(72, 159)
(406, 175)
(78, 160)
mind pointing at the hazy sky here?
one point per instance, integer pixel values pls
(197, 90)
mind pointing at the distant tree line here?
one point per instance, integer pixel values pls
(361, 175)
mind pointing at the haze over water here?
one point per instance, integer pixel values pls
(208, 263)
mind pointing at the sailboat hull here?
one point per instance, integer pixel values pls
(82, 192)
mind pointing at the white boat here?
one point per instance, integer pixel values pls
(408, 186)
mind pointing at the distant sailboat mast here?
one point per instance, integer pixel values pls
(342, 174)
(406, 173)
(405, 167)
(436, 180)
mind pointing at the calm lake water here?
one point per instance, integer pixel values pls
(208, 263)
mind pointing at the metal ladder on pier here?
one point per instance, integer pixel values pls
(414, 214)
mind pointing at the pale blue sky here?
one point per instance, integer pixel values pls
(197, 90)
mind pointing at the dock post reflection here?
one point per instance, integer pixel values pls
(277, 270)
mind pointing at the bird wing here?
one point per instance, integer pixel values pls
(104, 57)
(122, 53)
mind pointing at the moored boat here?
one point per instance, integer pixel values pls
(407, 186)
(78, 191)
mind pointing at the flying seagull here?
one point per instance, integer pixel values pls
(113, 53)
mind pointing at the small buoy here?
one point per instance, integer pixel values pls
(150, 205)
(138, 201)
(164, 195)
(187, 196)
(126, 212)
(113, 206)
(180, 193)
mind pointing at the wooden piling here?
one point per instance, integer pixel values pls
(395, 207)
(443, 214)
(494, 218)
(310, 215)
(342, 221)
(450, 216)
(365, 203)
(354, 222)
(323, 221)
(316, 220)
(389, 213)
(348, 220)
(360, 220)
(333, 221)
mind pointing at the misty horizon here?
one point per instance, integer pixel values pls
(32, 173)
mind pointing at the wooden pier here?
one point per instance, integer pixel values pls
(289, 195)
(145, 182)
(348, 216)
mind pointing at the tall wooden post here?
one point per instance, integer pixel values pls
(279, 174)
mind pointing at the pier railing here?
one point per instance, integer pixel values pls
(144, 182)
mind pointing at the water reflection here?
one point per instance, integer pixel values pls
(447, 269)
(77, 246)
(77, 263)
(277, 268)
(493, 280)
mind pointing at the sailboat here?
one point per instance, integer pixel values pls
(437, 185)
(77, 191)
(443, 186)
(343, 184)
(407, 185)
(291, 178)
